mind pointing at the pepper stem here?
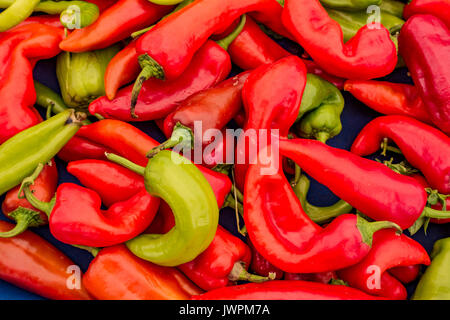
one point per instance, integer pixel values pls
(25, 218)
(150, 68)
(385, 147)
(92, 250)
(180, 135)
(140, 170)
(225, 42)
(435, 214)
(322, 136)
(238, 273)
(367, 229)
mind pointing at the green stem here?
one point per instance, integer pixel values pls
(150, 68)
(225, 42)
(322, 136)
(24, 218)
(385, 147)
(435, 214)
(180, 134)
(238, 273)
(367, 229)
(140, 170)
(92, 250)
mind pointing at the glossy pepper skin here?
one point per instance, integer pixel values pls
(284, 234)
(36, 145)
(369, 54)
(389, 98)
(44, 188)
(261, 266)
(22, 47)
(382, 194)
(285, 290)
(438, 8)
(405, 274)
(434, 283)
(425, 147)
(117, 274)
(115, 23)
(31, 263)
(79, 148)
(270, 104)
(213, 268)
(424, 44)
(210, 65)
(388, 250)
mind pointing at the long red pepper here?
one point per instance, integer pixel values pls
(389, 98)
(210, 65)
(44, 188)
(271, 96)
(117, 274)
(31, 263)
(114, 24)
(79, 148)
(369, 54)
(20, 49)
(167, 49)
(425, 147)
(284, 234)
(103, 4)
(388, 250)
(382, 193)
(405, 274)
(286, 290)
(424, 43)
(438, 8)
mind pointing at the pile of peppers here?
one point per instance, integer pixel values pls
(259, 89)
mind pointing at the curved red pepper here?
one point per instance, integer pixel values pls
(405, 274)
(271, 96)
(382, 193)
(213, 268)
(79, 148)
(31, 263)
(389, 98)
(438, 8)
(20, 49)
(210, 65)
(114, 24)
(117, 274)
(388, 250)
(285, 290)
(424, 43)
(425, 147)
(369, 54)
(76, 217)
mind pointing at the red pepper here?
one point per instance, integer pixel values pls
(286, 290)
(382, 193)
(284, 234)
(438, 8)
(49, 20)
(20, 49)
(321, 277)
(117, 274)
(79, 148)
(271, 96)
(424, 43)
(369, 54)
(405, 274)
(103, 4)
(31, 263)
(223, 262)
(425, 147)
(388, 250)
(167, 49)
(44, 188)
(389, 98)
(116, 23)
(253, 48)
(210, 65)
(263, 267)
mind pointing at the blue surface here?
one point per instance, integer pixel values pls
(355, 116)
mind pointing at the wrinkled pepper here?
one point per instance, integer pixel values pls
(117, 274)
(388, 250)
(424, 44)
(31, 263)
(438, 8)
(369, 54)
(115, 24)
(389, 98)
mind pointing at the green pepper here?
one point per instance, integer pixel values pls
(320, 110)
(350, 5)
(22, 153)
(351, 22)
(81, 75)
(181, 184)
(393, 7)
(16, 12)
(318, 214)
(435, 282)
(166, 2)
